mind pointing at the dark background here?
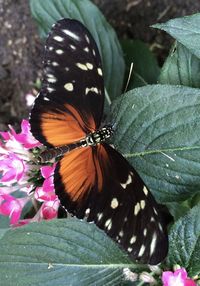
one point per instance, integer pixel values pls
(21, 48)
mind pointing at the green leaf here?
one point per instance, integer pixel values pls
(181, 67)
(177, 209)
(185, 30)
(184, 241)
(157, 130)
(4, 221)
(48, 12)
(61, 252)
(195, 200)
(145, 65)
(3, 231)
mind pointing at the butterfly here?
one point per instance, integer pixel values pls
(92, 180)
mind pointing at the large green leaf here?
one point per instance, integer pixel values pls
(185, 242)
(4, 221)
(157, 129)
(3, 231)
(145, 66)
(185, 30)
(61, 252)
(181, 67)
(48, 12)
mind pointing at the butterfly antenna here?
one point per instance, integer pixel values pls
(127, 83)
(129, 77)
(107, 97)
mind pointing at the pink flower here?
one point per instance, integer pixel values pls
(21, 172)
(47, 191)
(12, 168)
(25, 137)
(49, 209)
(12, 207)
(178, 278)
(46, 194)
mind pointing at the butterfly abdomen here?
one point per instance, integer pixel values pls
(52, 153)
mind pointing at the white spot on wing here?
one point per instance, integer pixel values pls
(87, 39)
(58, 38)
(87, 212)
(114, 203)
(108, 224)
(59, 52)
(89, 66)
(133, 239)
(46, 98)
(69, 86)
(121, 233)
(145, 191)
(129, 181)
(145, 232)
(71, 34)
(99, 216)
(55, 64)
(86, 49)
(142, 204)
(129, 249)
(153, 244)
(155, 211)
(50, 89)
(82, 66)
(160, 227)
(93, 89)
(72, 47)
(99, 70)
(51, 79)
(136, 209)
(142, 250)
(50, 75)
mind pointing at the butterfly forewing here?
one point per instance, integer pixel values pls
(72, 88)
(94, 182)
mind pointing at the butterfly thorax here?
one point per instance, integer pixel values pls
(91, 139)
(97, 136)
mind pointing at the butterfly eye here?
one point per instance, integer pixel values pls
(92, 180)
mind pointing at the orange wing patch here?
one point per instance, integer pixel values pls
(77, 172)
(80, 171)
(61, 128)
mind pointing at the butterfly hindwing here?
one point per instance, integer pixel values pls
(105, 189)
(72, 94)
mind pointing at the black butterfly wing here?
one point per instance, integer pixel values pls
(106, 189)
(72, 94)
(96, 182)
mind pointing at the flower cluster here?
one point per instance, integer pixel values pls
(178, 278)
(23, 182)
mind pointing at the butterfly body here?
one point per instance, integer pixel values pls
(91, 139)
(92, 180)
